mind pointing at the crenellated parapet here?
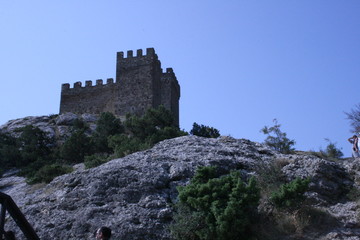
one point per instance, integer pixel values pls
(140, 84)
(150, 53)
(88, 84)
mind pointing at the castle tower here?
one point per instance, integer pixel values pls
(140, 84)
(139, 78)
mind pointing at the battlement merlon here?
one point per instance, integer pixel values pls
(150, 52)
(169, 73)
(125, 66)
(88, 84)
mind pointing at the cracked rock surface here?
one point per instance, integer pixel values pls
(134, 195)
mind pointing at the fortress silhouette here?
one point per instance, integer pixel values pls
(140, 84)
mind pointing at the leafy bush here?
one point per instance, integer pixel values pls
(124, 145)
(145, 131)
(9, 152)
(48, 172)
(107, 125)
(34, 149)
(79, 124)
(204, 131)
(155, 125)
(220, 207)
(76, 147)
(291, 195)
(33, 144)
(278, 140)
(95, 160)
(187, 224)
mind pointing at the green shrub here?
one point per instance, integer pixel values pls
(124, 145)
(187, 224)
(48, 172)
(76, 147)
(223, 207)
(164, 133)
(291, 195)
(155, 122)
(145, 131)
(9, 152)
(79, 124)
(106, 126)
(277, 140)
(204, 131)
(33, 144)
(95, 160)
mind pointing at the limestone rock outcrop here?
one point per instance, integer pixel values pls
(134, 195)
(55, 126)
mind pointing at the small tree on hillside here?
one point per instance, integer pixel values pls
(277, 140)
(34, 144)
(107, 125)
(354, 117)
(76, 147)
(331, 151)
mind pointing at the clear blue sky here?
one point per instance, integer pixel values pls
(240, 63)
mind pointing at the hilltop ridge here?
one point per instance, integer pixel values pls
(134, 195)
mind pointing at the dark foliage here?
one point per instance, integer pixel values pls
(40, 159)
(48, 172)
(76, 147)
(204, 131)
(219, 208)
(291, 195)
(33, 145)
(9, 152)
(107, 125)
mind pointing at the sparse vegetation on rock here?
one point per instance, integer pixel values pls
(204, 131)
(135, 195)
(278, 140)
(69, 139)
(223, 206)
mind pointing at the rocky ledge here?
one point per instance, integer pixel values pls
(55, 126)
(134, 195)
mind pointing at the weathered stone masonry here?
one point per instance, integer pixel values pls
(140, 84)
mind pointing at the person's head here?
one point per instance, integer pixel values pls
(103, 233)
(354, 136)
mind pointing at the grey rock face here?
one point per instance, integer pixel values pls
(329, 181)
(134, 195)
(55, 126)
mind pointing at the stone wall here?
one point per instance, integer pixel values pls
(140, 84)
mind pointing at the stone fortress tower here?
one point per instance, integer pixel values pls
(140, 84)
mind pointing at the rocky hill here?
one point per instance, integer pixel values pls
(56, 126)
(134, 195)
